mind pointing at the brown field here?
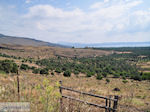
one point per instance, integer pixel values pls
(145, 66)
(49, 52)
(134, 96)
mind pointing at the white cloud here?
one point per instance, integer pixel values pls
(28, 1)
(110, 20)
(97, 5)
(106, 0)
(49, 11)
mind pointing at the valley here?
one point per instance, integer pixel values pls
(98, 71)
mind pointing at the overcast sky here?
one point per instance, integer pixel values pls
(82, 21)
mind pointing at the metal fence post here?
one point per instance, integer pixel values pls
(60, 90)
(115, 103)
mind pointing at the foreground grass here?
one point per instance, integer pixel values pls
(134, 95)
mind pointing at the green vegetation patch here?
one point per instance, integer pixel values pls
(107, 65)
(8, 66)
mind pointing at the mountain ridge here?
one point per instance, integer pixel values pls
(5, 39)
(14, 40)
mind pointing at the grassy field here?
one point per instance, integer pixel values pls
(134, 95)
(42, 52)
(145, 66)
(43, 93)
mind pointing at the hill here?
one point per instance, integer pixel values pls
(49, 51)
(13, 40)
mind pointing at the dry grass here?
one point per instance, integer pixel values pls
(145, 66)
(134, 95)
(49, 52)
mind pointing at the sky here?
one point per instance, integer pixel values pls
(77, 21)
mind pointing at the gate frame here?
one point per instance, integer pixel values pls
(108, 100)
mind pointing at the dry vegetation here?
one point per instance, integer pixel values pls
(134, 96)
(145, 66)
(42, 52)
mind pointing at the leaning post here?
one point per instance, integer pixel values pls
(18, 86)
(60, 90)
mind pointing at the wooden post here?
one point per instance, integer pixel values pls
(109, 104)
(106, 105)
(115, 103)
(61, 103)
(18, 88)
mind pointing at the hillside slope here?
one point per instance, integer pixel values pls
(49, 51)
(12, 40)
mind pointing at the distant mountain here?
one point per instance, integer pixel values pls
(109, 44)
(4, 39)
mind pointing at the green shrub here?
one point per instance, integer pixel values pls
(145, 76)
(116, 76)
(33, 68)
(67, 73)
(124, 81)
(48, 96)
(30, 60)
(36, 71)
(14, 68)
(8, 66)
(52, 73)
(104, 74)
(136, 77)
(44, 71)
(107, 80)
(2, 72)
(124, 77)
(99, 77)
(58, 70)
(24, 67)
(64, 68)
(76, 72)
(89, 74)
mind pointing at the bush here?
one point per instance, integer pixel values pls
(67, 73)
(136, 77)
(64, 68)
(8, 66)
(32, 68)
(124, 77)
(76, 72)
(145, 76)
(107, 80)
(48, 96)
(58, 70)
(52, 73)
(24, 67)
(104, 74)
(124, 81)
(116, 76)
(99, 77)
(44, 71)
(14, 68)
(116, 89)
(89, 74)
(30, 60)
(36, 71)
